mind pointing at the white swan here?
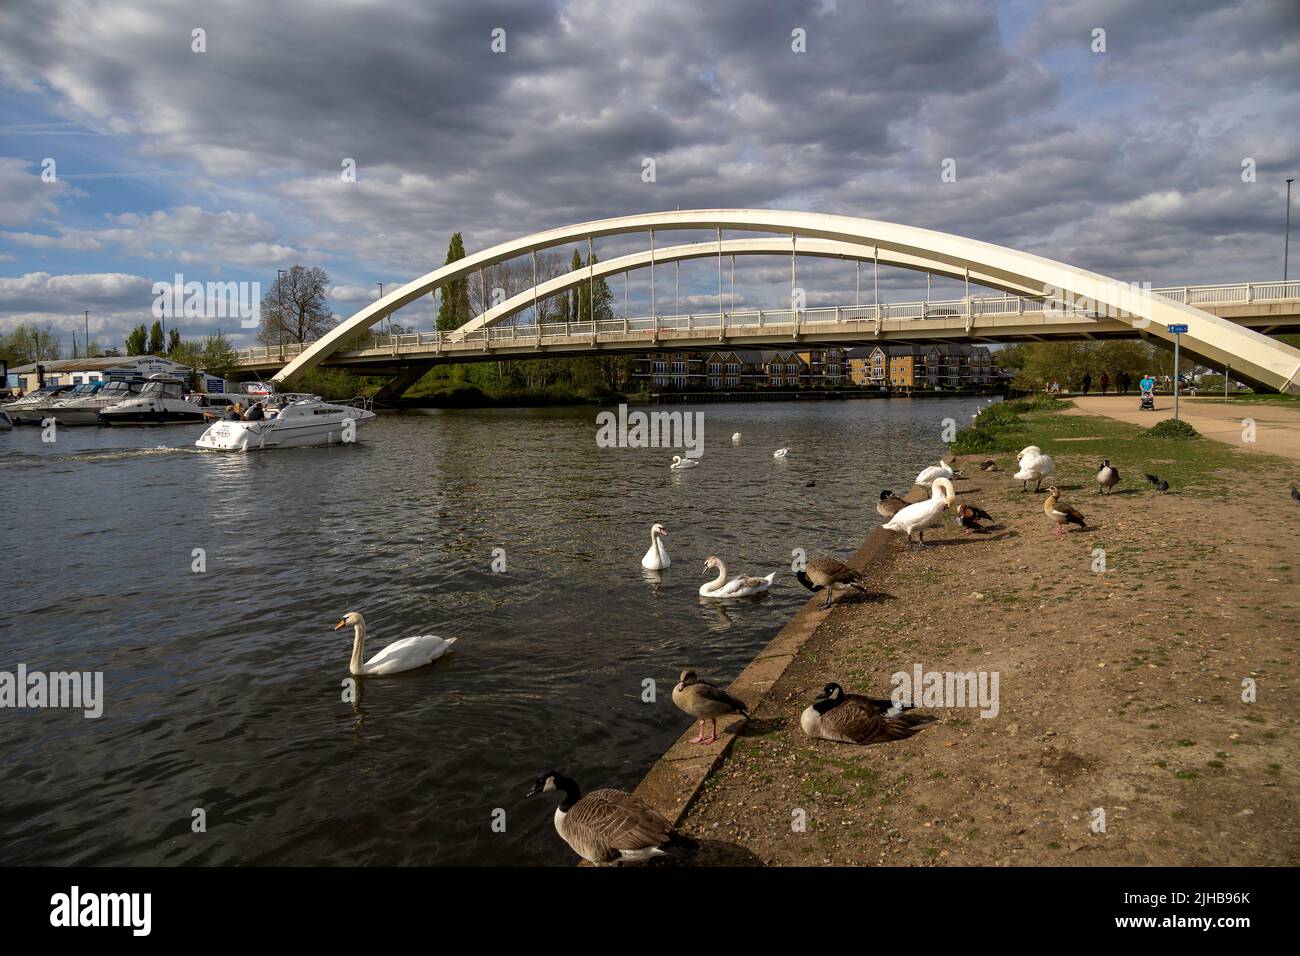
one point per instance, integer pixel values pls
(1033, 465)
(941, 470)
(656, 559)
(679, 463)
(735, 439)
(739, 586)
(780, 452)
(915, 518)
(404, 655)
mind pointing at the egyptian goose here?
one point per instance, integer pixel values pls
(969, 516)
(705, 701)
(1060, 512)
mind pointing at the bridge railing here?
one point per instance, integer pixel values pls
(643, 326)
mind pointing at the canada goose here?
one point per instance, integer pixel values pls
(915, 518)
(1060, 512)
(969, 516)
(889, 504)
(1107, 477)
(989, 465)
(1033, 464)
(610, 826)
(739, 586)
(705, 701)
(656, 558)
(404, 655)
(856, 719)
(781, 453)
(927, 475)
(679, 463)
(830, 575)
(1160, 485)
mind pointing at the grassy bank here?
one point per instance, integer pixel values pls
(1121, 682)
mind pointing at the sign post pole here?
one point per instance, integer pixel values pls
(1178, 331)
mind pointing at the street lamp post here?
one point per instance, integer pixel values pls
(1286, 246)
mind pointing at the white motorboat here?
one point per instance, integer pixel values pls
(294, 421)
(32, 408)
(85, 409)
(161, 402)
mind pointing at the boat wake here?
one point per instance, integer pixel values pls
(99, 454)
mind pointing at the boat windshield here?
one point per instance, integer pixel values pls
(169, 389)
(119, 388)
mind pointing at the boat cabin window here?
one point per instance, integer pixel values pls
(164, 389)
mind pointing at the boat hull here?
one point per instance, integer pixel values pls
(151, 418)
(258, 436)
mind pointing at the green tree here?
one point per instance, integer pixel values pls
(454, 310)
(30, 343)
(219, 356)
(156, 344)
(173, 340)
(136, 340)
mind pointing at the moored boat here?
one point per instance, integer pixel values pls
(161, 402)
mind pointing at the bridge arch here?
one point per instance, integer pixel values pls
(1216, 340)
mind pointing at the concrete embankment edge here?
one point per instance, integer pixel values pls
(676, 779)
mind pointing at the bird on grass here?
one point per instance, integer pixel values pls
(1060, 512)
(705, 701)
(989, 465)
(830, 575)
(1159, 483)
(1107, 477)
(916, 517)
(1295, 494)
(927, 475)
(889, 504)
(969, 516)
(1033, 465)
(857, 719)
(607, 827)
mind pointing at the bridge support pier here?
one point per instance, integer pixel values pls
(396, 386)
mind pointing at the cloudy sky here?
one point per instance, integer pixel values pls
(225, 164)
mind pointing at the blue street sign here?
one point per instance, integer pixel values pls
(1177, 329)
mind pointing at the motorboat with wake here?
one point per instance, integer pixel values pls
(293, 421)
(34, 407)
(85, 409)
(161, 402)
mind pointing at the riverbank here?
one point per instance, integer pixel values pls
(1120, 690)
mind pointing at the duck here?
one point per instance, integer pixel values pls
(679, 463)
(705, 701)
(1159, 483)
(915, 518)
(404, 655)
(856, 719)
(735, 438)
(889, 504)
(1107, 476)
(738, 587)
(830, 575)
(608, 827)
(1060, 512)
(927, 475)
(656, 558)
(1033, 465)
(989, 465)
(969, 516)
(781, 453)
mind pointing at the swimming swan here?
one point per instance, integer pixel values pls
(737, 587)
(679, 463)
(780, 452)
(915, 518)
(735, 439)
(404, 655)
(656, 559)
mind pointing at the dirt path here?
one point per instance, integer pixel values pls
(1277, 428)
(1120, 691)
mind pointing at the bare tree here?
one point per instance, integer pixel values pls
(296, 309)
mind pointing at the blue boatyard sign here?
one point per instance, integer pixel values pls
(1176, 329)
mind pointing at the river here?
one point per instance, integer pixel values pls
(223, 688)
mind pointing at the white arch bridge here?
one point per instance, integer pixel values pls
(1040, 299)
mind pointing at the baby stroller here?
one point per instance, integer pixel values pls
(1148, 401)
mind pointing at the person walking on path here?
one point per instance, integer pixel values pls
(1105, 382)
